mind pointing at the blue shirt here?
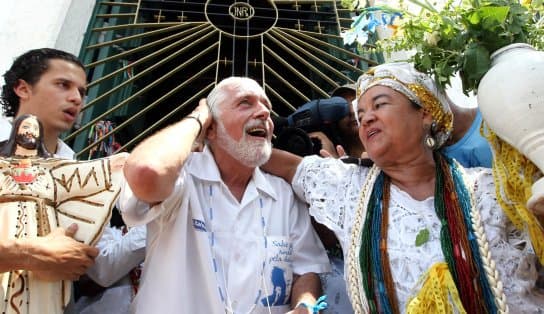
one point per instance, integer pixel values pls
(472, 150)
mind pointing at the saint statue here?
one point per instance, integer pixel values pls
(39, 193)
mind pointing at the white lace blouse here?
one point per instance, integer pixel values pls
(332, 189)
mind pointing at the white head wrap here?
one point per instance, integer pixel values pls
(417, 87)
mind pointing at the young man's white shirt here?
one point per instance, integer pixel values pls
(179, 274)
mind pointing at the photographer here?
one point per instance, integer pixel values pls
(319, 125)
(348, 126)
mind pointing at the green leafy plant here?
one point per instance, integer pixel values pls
(461, 35)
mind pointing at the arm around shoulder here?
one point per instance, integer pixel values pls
(282, 164)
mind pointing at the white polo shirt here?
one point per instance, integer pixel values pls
(179, 272)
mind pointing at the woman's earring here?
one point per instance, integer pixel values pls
(430, 142)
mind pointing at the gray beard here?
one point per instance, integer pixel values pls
(249, 153)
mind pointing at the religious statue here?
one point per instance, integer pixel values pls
(39, 193)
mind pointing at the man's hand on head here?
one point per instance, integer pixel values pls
(203, 114)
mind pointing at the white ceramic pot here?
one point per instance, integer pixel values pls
(511, 99)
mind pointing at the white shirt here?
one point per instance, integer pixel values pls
(179, 275)
(119, 254)
(332, 188)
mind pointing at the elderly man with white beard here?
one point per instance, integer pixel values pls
(223, 237)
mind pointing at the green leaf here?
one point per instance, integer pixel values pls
(468, 31)
(474, 18)
(422, 237)
(426, 62)
(493, 17)
(476, 63)
(458, 41)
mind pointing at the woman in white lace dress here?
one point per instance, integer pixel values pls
(420, 233)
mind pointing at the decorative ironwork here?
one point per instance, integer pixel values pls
(240, 11)
(149, 61)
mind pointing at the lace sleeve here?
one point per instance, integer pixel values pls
(331, 188)
(510, 249)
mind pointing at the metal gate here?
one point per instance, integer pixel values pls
(150, 61)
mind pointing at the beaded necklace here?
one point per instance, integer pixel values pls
(462, 239)
(222, 284)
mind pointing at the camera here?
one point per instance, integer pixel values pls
(316, 115)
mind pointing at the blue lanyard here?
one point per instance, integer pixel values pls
(211, 234)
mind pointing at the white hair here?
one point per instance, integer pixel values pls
(219, 93)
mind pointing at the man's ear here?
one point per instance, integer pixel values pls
(211, 132)
(23, 89)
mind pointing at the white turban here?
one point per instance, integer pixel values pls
(417, 87)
